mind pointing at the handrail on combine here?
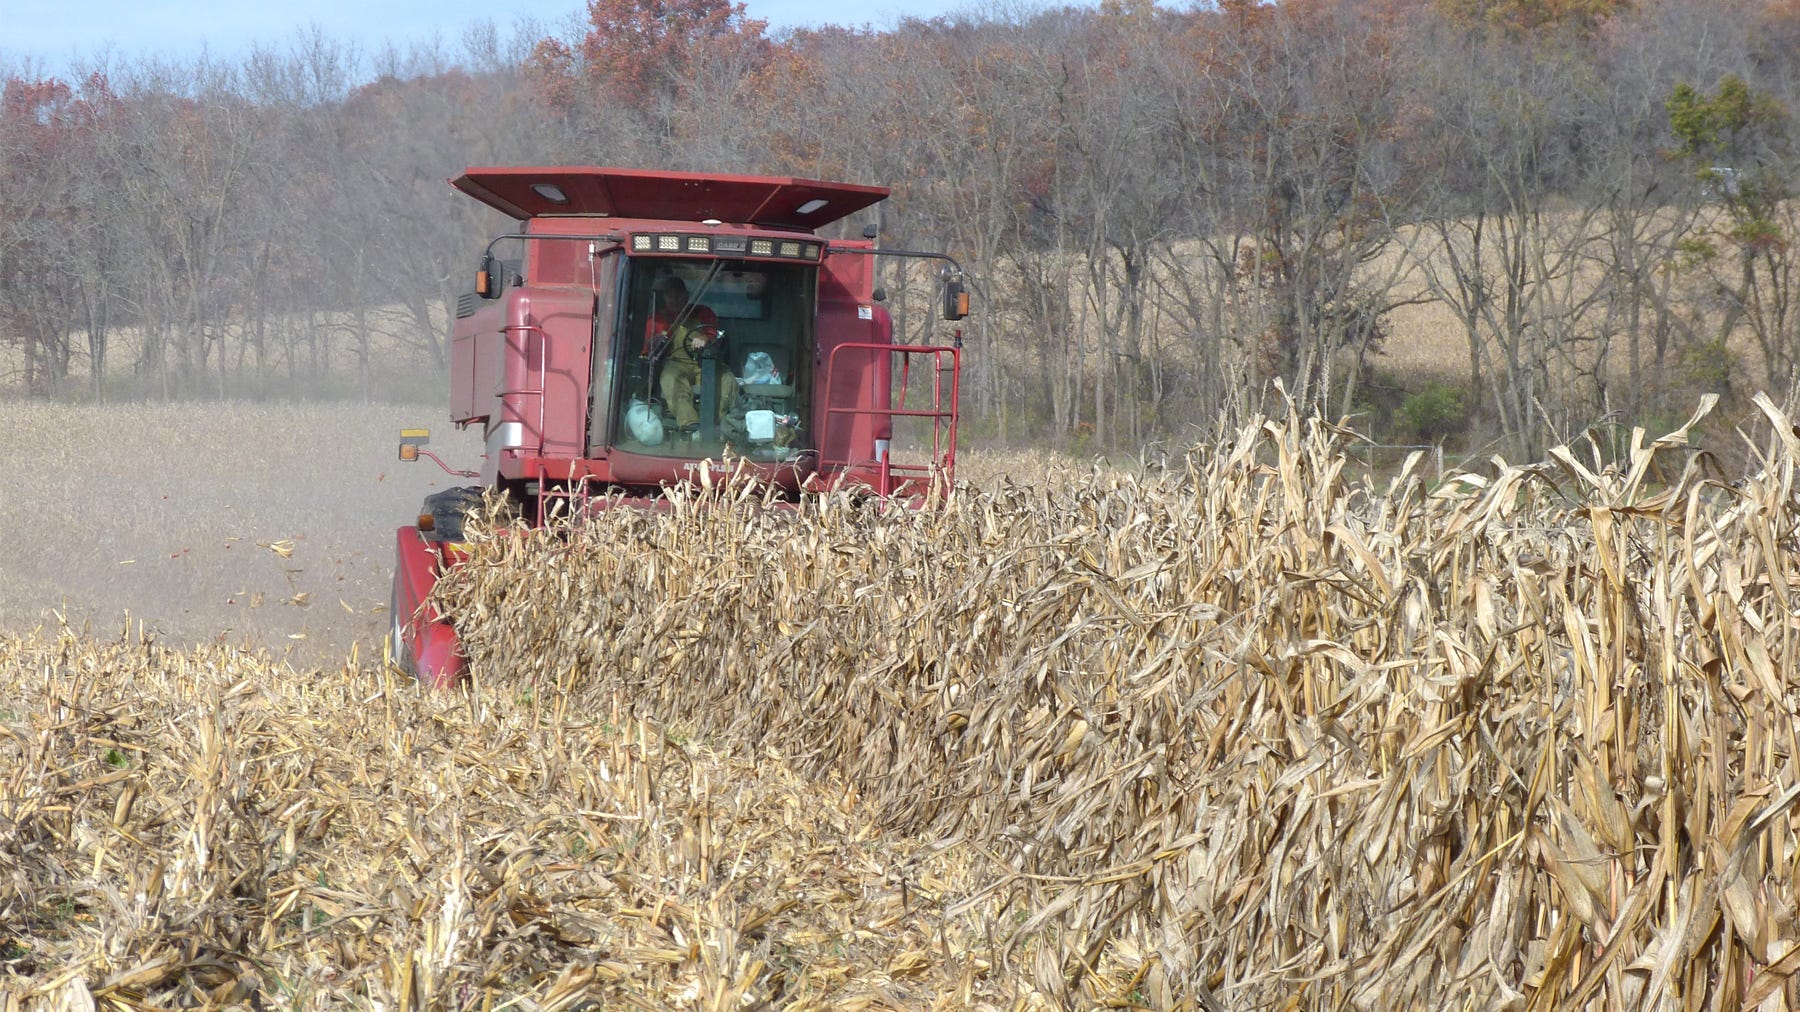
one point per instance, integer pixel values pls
(543, 368)
(882, 405)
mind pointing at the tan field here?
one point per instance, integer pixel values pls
(235, 523)
(1242, 733)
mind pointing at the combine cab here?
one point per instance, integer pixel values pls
(642, 326)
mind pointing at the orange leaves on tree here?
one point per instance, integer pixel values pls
(551, 73)
(641, 51)
(791, 73)
(40, 117)
(1532, 16)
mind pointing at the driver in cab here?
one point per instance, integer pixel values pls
(684, 332)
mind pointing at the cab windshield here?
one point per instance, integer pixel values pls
(716, 358)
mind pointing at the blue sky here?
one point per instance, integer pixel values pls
(49, 34)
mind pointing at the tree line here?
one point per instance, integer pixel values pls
(1167, 213)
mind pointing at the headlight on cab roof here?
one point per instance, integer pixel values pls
(664, 242)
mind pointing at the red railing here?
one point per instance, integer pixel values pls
(882, 398)
(543, 364)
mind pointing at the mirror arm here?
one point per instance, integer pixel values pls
(892, 252)
(953, 275)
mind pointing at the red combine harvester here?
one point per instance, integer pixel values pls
(661, 324)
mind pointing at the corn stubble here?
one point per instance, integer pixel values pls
(1239, 734)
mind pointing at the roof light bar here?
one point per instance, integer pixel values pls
(732, 245)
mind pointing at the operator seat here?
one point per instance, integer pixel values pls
(778, 354)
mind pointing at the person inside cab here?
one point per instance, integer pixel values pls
(682, 335)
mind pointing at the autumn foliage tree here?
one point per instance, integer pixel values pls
(647, 61)
(1162, 208)
(51, 244)
(1531, 17)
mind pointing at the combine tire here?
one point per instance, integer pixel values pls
(449, 510)
(399, 651)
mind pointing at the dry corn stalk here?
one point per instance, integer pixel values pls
(210, 829)
(1247, 729)
(1242, 734)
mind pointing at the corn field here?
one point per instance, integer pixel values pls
(1243, 732)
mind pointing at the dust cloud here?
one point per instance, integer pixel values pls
(262, 525)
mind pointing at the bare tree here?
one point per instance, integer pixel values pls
(1163, 209)
(1496, 244)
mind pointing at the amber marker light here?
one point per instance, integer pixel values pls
(411, 440)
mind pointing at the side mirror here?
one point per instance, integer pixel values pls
(487, 277)
(956, 298)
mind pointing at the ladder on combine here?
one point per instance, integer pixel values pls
(891, 398)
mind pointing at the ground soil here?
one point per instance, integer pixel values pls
(267, 525)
